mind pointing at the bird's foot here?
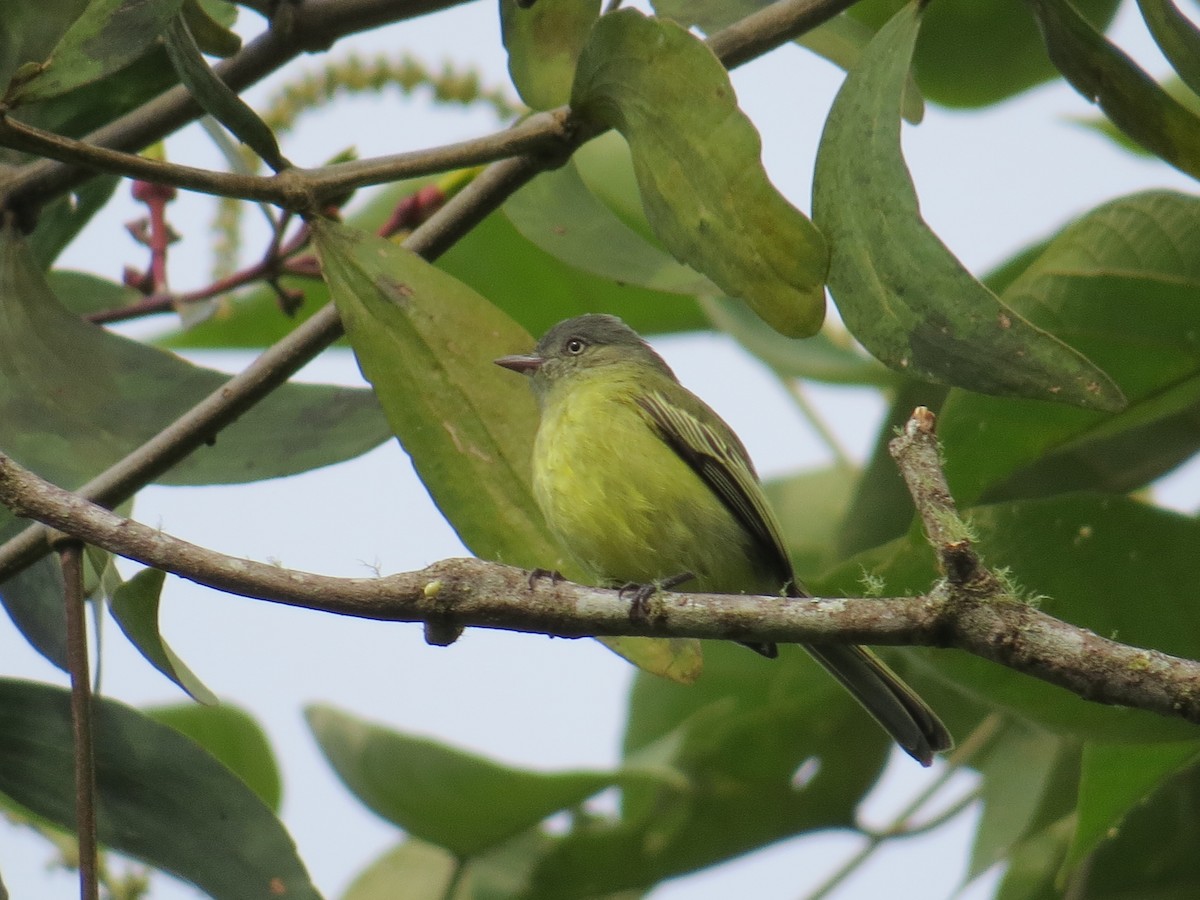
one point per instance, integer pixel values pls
(554, 575)
(639, 606)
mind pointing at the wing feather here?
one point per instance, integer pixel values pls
(721, 461)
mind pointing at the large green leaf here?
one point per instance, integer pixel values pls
(1087, 555)
(543, 42)
(1104, 74)
(426, 342)
(899, 289)
(699, 167)
(162, 798)
(1012, 795)
(69, 421)
(233, 737)
(449, 797)
(1122, 284)
(1176, 36)
(764, 746)
(107, 37)
(74, 399)
(31, 30)
(559, 214)
(979, 52)
(1116, 779)
(1152, 854)
(80, 111)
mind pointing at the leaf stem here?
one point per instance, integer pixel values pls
(70, 553)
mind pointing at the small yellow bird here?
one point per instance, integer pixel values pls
(642, 482)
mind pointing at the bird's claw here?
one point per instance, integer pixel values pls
(554, 575)
(639, 602)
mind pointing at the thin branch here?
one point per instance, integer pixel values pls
(70, 552)
(300, 190)
(298, 28)
(472, 593)
(113, 149)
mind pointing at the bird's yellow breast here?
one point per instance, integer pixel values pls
(623, 503)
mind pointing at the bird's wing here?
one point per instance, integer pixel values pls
(721, 461)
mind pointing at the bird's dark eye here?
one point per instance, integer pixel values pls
(575, 346)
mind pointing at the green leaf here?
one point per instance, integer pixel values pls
(426, 342)
(63, 218)
(33, 600)
(829, 356)
(1122, 284)
(978, 52)
(31, 30)
(135, 607)
(698, 165)
(82, 110)
(763, 745)
(809, 506)
(412, 869)
(212, 31)
(1152, 855)
(163, 800)
(1012, 795)
(70, 421)
(443, 795)
(1176, 36)
(75, 399)
(217, 99)
(543, 42)
(1086, 555)
(234, 738)
(1103, 74)
(109, 35)
(532, 287)
(899, 289)
(83, 293)
(559, 214)
(1115, 780)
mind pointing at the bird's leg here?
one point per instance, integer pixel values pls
(639, 605)
(554, 575)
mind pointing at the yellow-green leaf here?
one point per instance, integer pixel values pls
(698, 164)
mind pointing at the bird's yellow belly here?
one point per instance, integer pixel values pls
(627, 508)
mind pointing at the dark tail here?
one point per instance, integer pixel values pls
(891, 702)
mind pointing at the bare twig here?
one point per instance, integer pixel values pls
(474, 593)
(70, 552)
